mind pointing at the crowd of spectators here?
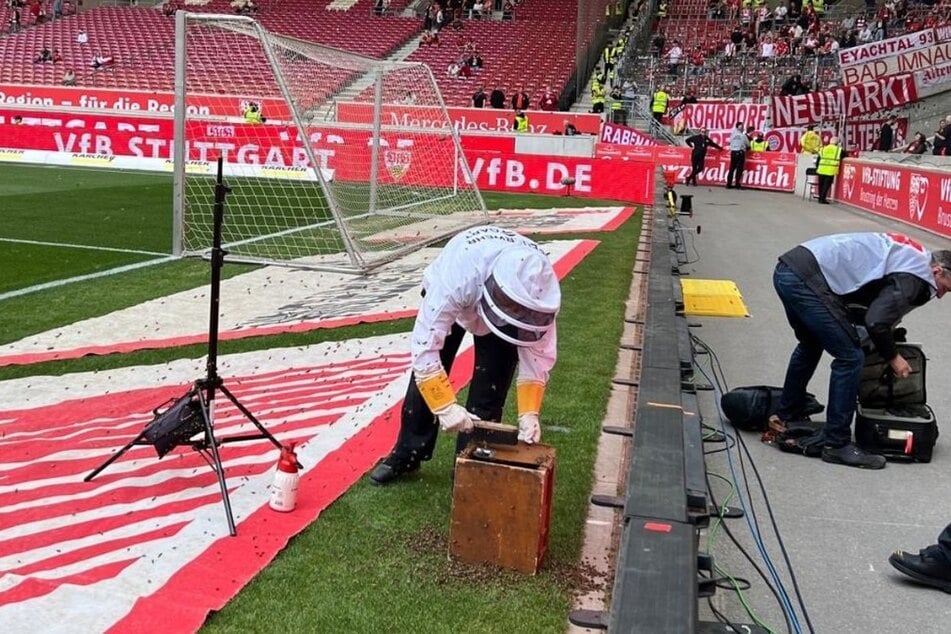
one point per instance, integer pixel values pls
(520, 100)
(25, 13)
(753, 33)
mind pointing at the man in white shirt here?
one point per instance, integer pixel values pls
(674, 55)
(81, 37)
(499, 286)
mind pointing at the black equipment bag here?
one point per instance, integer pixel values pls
(749, 408)
(893, 417)
(182, 419)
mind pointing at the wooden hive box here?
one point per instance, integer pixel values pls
(501, 506)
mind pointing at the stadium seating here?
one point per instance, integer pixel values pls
(535, 50)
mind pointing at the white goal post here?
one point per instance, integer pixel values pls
(307, 187)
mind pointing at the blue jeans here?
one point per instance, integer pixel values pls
(817, 329)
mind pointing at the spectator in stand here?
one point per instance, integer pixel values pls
(570, 129)
(780, 14)
(69, 77)
(657, 45)
(767, 49)
(673, 58)
(548, 101)
(866, 35)
(477, 8)
(430, 38)
(696, 61)
(698, 145)
(453, 70)
(409, 98)
(45, 55)
(14, 23)
(729, 50)
(169, 8)
(919, 145)
(792, 86)
(886, 137)
(82, 37)
(479, 98)
(475, 62)
(520, 100)
(794, 9)
(497, 98)
(57, 56)
(103, 62)
(942, 137)
(508, 10)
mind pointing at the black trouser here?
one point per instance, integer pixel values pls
(825, 185)
(944, 541)
(734, 178)
(696, 166)
(495, 363)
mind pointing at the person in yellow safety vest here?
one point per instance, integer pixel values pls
(252, 114)
(810, 141)
(618, 8)
(521, 122)
(819, 6)
(597, 99)
(827, 167)
(758, 3)
(607, 10)
(759, 144)
(662, 9)
(659, 104)
(608, 56)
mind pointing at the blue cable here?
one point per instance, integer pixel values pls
(786, 604)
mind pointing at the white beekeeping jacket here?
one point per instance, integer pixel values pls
(453, 285)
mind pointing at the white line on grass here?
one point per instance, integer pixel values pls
(82, 278)
(68, 245)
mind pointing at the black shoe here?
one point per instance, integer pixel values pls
(740, 187)
(852, 456)
(729, 186)
(929, 567)
(824, 202)
(392, 468)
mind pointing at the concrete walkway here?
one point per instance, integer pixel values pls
(839, 524)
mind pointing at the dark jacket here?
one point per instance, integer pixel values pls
(886, 299)
(497, 99)
(885, 138)
(699, 144)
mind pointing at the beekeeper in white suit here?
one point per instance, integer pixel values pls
(500, 287)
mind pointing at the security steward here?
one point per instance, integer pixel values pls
(597, 98)
(827, 168)
(810, 142)
(659, 104)
(520, 124)
(759, 144)
(501, 287)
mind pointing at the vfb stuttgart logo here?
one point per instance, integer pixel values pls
(917, 196)
(848, 180)
(397, 162)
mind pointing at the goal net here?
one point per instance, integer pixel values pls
(332, 160)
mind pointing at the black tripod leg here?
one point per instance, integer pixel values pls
(115, 456)
(247, 413)
(206, 415)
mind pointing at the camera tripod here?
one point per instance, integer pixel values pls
(194, 411)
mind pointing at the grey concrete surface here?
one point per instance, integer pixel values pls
(839, 524)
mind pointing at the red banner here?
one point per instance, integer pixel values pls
(850, 101)
(468, 119)
(623, 135)
(18, 95)
(763, 170)
(347, 152)
(593, 177)
(724, 116)
(862, 135)
(912, 195)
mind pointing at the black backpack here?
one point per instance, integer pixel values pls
(749, 408)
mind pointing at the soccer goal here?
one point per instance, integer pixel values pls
(333, 160)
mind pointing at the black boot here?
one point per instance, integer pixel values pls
(392, 468)
(852, 456)
(929, 567)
